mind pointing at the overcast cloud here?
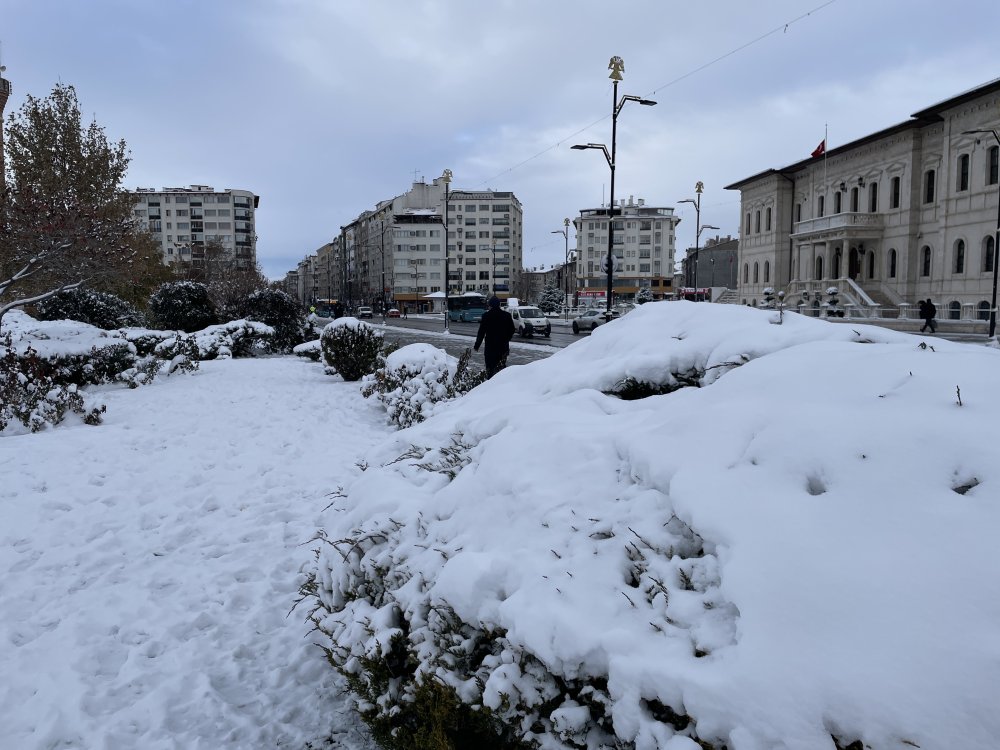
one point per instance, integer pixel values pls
(324, 108)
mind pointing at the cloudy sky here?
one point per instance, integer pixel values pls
(325, 107)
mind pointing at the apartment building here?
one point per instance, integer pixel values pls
(398, 250)
(904, 214)
(643, 240)
(183, 220)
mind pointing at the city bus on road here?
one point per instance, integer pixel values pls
(467, 308)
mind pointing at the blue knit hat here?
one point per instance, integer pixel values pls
(494, 302)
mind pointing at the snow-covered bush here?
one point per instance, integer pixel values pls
(644, 295)
(351, 348)
(31, 395)
(145, 340)
(277, 309)
(98, 309)
(182, 306)
(552, 298)
(418, 377)
(310, 350)
(832, 304)
(238, 338)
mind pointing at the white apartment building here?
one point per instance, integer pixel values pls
(399, 247)
(182, 220)
(903, 214)
(643, 243)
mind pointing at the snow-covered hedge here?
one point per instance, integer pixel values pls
(99, 309)
(767, 560)
(182, 306)
(416, 379)
(277, 309)
(351, 348)
(238, 338)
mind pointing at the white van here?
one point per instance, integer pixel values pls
(530, 320)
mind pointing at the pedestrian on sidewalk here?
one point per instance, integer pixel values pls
(497, 328)
(928, 312)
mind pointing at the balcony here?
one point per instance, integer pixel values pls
(839, 225)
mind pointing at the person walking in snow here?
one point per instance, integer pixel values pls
(928, 312)
(497, 328)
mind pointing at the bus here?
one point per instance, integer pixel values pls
(467, 308)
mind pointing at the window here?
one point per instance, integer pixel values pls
(756, 272)
(894, 193)
(756, 222)
(819, 268)
(983, 310)
(854, 199)
(798, 212)
(989, 254)
(836, 202)
(748, 224)
(963, 173)
(483, 207)
(871, 264)
(954, 310)
(821, 205)
(925, 261)
(929, 186)
(892, 262)
(767, 220)
(873, 198)
(991, 165)
(746, 269)
(959, 256)
(767, 271)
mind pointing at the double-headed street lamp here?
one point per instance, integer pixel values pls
(996, 241)
(565, 233)
(446, 176)
(617, 67)
(698, 228)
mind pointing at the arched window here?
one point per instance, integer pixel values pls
(748, 223)
(993, 156)
(929, 186)
(959, 256)
(954, 310)
(983, 310)
(754, 303)
(746, 272)
(767, 271)
(767, 219)
(892, 263)
(925, 261)
(854, 199)
(873, 198)
(989, 253)
(756, 225)
(871, 264)
(820, 205)
(963, 173)
(819, 268)
(894, 190)
(836, 202)
(835, 271)
(756, 273)
(798, 212)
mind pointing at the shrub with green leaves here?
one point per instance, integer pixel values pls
(31, 395)
(238, 338)
(416, 378)
(278, 310)
(351, 348)
(182, 306)
(99, 309)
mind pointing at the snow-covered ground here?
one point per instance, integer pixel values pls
(804, 546)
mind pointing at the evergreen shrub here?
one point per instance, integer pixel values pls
(278, 310)
(351, 348)
(182, 306)
(99, 309)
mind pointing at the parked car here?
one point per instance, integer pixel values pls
(392, 313)
(365, 312)
(529, 320)
(589, 320)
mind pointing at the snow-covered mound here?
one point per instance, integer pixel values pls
(801, 549)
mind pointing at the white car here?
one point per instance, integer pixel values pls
(530, 320)
(365, 312)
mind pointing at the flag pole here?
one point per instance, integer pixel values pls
(826, 147)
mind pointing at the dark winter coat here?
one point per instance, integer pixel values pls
(922, 309)
(930, 311)
(497, 328)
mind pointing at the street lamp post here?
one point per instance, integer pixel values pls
(996, 242)
(565, 233)
(446, 176)
(617, 67)
(698, 228)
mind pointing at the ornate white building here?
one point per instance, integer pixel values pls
(904, 214)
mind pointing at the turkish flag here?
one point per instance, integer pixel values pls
(820, 149)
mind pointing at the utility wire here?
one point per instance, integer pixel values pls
(783, 28)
